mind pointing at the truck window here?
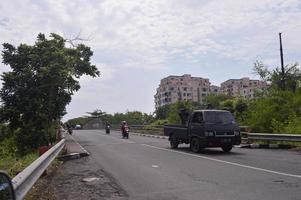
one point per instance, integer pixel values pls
(219, 117)
(197, 117)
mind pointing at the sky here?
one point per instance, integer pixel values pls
(136, 43)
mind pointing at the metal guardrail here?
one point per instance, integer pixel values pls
(26, 179)
(274, 137)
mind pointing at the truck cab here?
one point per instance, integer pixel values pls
(205, 128)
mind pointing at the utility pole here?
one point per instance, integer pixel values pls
(282, 64)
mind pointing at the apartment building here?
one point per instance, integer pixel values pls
(243, 87)
(178, 88)
(214, 89)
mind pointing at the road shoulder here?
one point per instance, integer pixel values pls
(84, 179)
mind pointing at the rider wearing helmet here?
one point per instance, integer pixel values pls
(123, 124)
(124, 129)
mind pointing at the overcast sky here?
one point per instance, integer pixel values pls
(138, 42)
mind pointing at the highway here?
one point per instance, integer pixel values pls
(146, 168)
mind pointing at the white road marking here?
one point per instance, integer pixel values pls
(226, 162)
(91, 179)
(155, 166)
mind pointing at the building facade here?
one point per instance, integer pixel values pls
(182, 88)
(243, 87)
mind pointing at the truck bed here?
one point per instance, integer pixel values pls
(176, 129)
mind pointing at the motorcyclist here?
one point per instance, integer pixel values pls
(107, 127)
(124, 128)
(123, 125)
(69, 129)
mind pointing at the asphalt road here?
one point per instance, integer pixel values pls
(146, 168)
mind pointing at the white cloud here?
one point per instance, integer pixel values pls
(148, 34)
(149, 31)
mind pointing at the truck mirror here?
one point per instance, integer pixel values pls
(6, 187)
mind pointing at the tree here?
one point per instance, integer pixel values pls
(79, 120)
(43, 79)
(240, 108)
(227, 105)
(215, 100)
(291, 76)
(162, 111)
(98, 113)
(173, 114)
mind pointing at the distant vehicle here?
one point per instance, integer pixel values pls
(205, 128)
(77, 126)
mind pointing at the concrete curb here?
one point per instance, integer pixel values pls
(152, 136)
(266, 146)
(70, 156)
(75, 153)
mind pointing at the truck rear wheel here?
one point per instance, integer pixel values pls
(195, 145)
(174, 143)
(227, 148)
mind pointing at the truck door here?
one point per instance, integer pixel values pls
(197, 124)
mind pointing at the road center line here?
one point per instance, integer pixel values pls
(226, 162)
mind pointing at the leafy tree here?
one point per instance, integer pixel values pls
(279, 110)
(215, 100)
(291, 77)
(162, 111)
(173, 114)
(228, 105)
(240, 107)
(98, 113)
(274, 112)
(79, 120)
(42, 79)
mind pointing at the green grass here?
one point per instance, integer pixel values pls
(14, 165)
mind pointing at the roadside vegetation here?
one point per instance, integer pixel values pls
(132, 117)
(34, 95)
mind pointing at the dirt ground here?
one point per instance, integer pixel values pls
(76, 180)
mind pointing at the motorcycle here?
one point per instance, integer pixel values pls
(108, 129)
(125, 132)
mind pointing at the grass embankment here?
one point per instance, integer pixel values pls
(10, 161)
(14, 165)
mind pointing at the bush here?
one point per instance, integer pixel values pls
(276, 113)
(8, 147)
(3, 131)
